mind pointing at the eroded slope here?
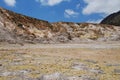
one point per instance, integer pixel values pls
(19, 28)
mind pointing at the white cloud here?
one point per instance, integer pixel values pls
(10, 2)
(50, 2)
(94, 21)
(70, 13)
(101, 6)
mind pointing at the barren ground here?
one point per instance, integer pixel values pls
(101, 61)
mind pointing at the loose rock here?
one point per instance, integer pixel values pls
(116, 71)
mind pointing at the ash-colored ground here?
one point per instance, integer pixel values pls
(84, 61)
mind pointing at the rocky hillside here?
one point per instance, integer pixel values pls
(113, 19)
(19, 28)
(16, 27)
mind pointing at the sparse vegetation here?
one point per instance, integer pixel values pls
(35, 62)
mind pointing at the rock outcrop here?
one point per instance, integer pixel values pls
(19, 28)
(113, 19)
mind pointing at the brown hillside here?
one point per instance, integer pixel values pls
(19, 28)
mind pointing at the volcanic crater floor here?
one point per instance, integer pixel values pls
(84, 61)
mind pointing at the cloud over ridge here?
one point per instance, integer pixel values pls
(101, 6)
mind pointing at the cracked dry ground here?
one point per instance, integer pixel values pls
(74, 63)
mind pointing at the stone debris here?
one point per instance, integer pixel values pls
(59, 76)
(116, 71)
(14, 73)
(80, 66)
(96, 71)
(55, 76)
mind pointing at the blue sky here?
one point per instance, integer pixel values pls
(64, 10)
